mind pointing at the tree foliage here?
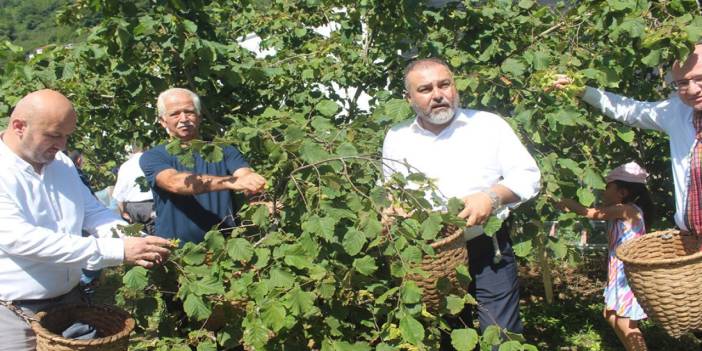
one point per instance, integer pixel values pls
(320, 274)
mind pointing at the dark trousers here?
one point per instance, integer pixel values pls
(495, 287)
(142, 212)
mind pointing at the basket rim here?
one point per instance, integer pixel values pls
(40, 330)
(447, 239)
(664, 261)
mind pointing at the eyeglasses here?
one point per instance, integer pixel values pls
(683, 84)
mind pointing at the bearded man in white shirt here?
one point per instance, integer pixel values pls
(43, 209)
(674, 116)
(475, 156)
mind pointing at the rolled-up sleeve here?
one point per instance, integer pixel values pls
(520, 174)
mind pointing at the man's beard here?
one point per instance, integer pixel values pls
(437, 118)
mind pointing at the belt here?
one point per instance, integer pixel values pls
(471, 233)
(138, 202)
(42, 301)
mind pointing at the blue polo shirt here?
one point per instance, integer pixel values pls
(189, 217)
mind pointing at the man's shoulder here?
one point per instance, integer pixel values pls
(403, 126)
(480, 117)
(158, 151)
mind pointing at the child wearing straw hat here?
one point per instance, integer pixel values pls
(626, 206)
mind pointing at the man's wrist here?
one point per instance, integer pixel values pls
(495, 199)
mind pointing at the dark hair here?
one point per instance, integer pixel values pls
(639, 195)
(75, 155)
(424, 61)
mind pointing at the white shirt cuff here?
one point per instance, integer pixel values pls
(111, 250)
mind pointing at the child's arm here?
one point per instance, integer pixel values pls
(598, 213)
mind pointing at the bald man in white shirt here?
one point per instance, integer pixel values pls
(475, 156)
(43, 209)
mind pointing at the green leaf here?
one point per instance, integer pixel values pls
(431, 226)
(626, 134)
(262, 257)
(281, 279)
(214, 240)
(353, 242)
(299, 301)
(136, 278)
(365, 265)
(585, 197)
(208, 286)
(463, 275)
(526, 4)
(193, 254)
(346, 149)
(411, 330)
(300, 32)
(327, 108)
(312, 152)
(397, 109)
(513, 67)
(492, 225)
(190, 26)
(570, 165)
(522, 249)
(255, 333)
(196, 308)
(410, 293)
(511, 345)
(491, 336)
(558, 247)
(274, 316)
(206, 346)
(240, 249)
(454, 304)
(652, 59)
(212, 153)
(455, 205)
(593, 179)
(260, 216)
(464, 339)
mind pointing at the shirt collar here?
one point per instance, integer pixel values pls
(7, 153)
(460, 119)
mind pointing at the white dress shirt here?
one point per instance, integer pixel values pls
(476, 151)
(126, 189)
(671, 116)
(41, 247)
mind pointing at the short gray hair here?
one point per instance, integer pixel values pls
(161, 105)
(421, 62)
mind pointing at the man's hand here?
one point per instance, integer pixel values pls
(146, 251)
(250, 183)
(563, 82)
(478, 208)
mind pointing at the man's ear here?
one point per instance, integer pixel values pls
(18, 126)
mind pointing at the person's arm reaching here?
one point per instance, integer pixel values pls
(647, 115)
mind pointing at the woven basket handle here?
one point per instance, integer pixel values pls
(18, 311)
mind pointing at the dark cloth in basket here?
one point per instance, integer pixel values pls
(80, 331)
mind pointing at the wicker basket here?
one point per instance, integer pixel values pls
(450, 252)
(112, 324)
(664, 271)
